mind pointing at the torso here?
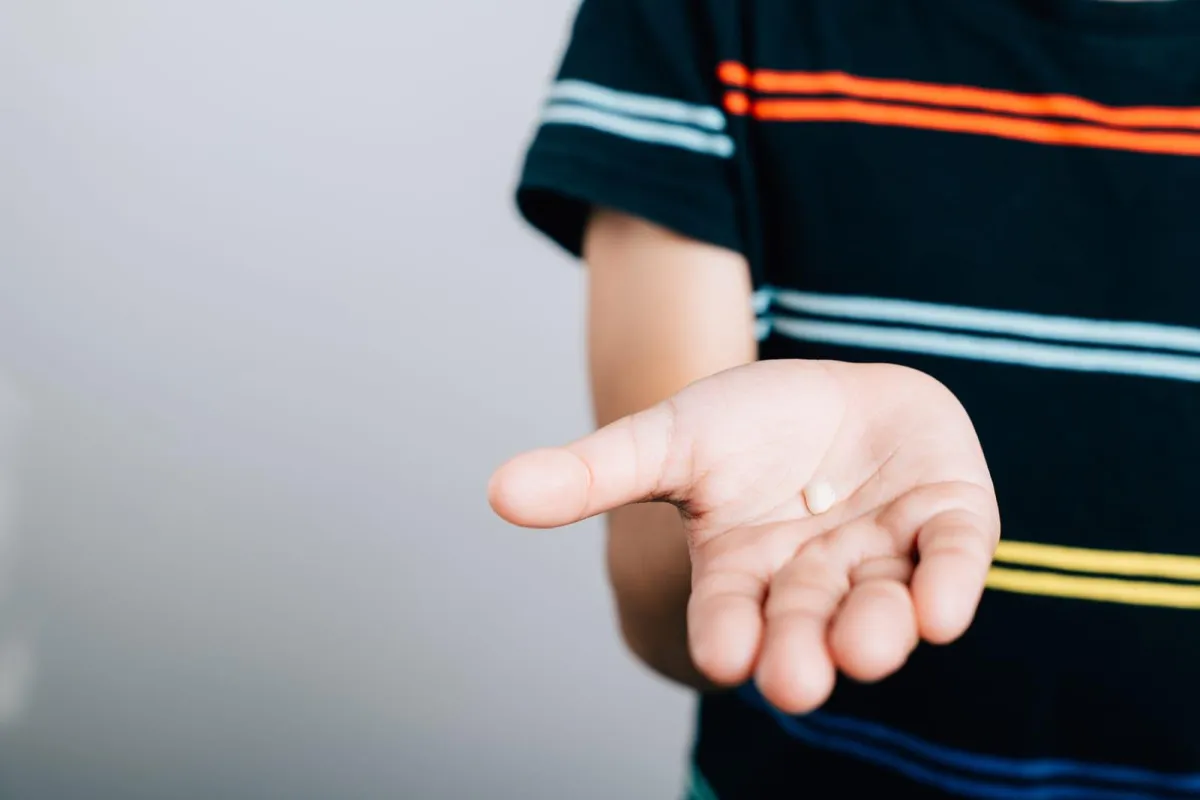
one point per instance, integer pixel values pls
(910, 198)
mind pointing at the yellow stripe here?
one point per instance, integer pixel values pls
(1104, 562)
(1105, 590)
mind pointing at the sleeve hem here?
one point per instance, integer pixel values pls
(558, 191)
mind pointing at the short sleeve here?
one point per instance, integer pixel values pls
(633, 123)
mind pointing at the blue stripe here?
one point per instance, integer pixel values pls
(993, 349)
(762, 329)
(638, 105)
(761, 301)
(699, 787)
(1078, 330)
(640, 130)
(884, 746)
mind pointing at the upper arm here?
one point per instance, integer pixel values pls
(663, 312)
(633, 121)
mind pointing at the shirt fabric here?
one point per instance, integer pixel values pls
(1000, 193)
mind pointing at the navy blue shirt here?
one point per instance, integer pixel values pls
(1002, 194)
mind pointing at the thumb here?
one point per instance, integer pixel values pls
(622, 463)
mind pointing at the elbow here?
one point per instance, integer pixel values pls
(662, 647)
(638, 639)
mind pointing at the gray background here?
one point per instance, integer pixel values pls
(267, 321)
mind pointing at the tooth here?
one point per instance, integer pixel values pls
(820, 497)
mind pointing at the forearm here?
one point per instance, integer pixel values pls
(650, 571)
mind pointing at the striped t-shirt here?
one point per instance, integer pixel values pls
(1004, 194)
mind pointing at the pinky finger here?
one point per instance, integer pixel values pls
(955, 552)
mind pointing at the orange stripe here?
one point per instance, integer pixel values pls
(1028, 130)
(1030, 105)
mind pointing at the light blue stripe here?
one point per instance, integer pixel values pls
(638, 105)
(1035, 326)
(640, 130)
(761, 300)
(810, 731)
(1003, 351)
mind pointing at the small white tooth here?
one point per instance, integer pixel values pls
(820, 497)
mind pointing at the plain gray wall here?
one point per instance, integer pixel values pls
(268, 321)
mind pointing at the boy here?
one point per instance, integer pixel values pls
(930, 206)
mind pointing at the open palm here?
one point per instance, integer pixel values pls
(836, 514)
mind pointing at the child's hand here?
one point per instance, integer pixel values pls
(836, 514)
